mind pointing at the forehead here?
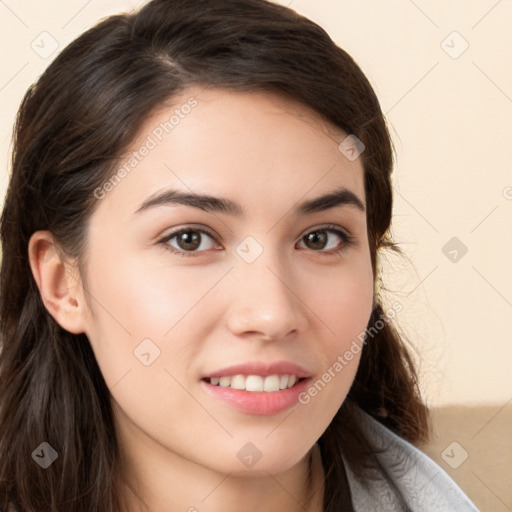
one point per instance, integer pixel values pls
(255, 147)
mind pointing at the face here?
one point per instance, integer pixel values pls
(214, 271)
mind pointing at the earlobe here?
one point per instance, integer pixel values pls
(59, 285)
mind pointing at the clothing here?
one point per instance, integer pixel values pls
(422, 484)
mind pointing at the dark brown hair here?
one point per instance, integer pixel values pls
(72, 127)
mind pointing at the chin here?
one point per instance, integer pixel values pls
(260, 458)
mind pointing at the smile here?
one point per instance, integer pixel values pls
(253, 383)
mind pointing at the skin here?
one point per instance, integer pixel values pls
(295, 302)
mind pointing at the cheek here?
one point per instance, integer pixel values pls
(346, 305)
(145, 293)
(144, 335)
(343, 299)
(142, 305)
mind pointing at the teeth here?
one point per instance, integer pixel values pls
(225, 382)
(255, 382)
(271, 383)
(238, 382)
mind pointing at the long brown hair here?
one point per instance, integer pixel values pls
(72, 128)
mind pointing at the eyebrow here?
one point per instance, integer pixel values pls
(339, 197)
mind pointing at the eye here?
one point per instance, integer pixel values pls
(329, 239)
(193, 241)
(188, 240)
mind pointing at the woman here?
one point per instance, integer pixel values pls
(190, 313)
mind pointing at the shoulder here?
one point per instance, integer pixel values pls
(412, 480)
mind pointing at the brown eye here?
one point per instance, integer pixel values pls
(316, 240)
(189, 241)
(328, 240)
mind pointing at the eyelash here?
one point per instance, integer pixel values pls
(348, 240)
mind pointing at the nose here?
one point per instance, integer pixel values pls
(266, 302)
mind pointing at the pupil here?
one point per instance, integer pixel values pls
(317, 240)
(189, 240)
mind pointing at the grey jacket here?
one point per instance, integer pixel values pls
(422, 484)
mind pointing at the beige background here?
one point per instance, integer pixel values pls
(450, 112)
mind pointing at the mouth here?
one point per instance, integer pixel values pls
(256, 383)
(258, 388)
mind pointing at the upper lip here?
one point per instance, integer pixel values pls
(261, 368)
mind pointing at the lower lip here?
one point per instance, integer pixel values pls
(258, 402)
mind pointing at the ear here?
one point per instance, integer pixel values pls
(59, 283)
